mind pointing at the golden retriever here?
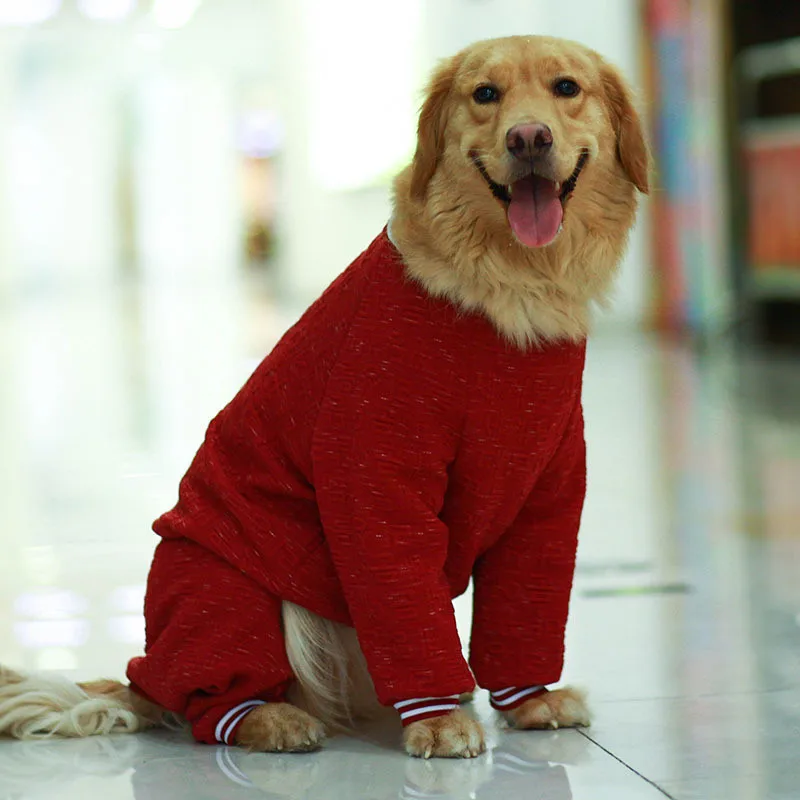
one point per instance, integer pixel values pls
(517, 205)
(453, 222)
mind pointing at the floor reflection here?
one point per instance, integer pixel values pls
(162, 766)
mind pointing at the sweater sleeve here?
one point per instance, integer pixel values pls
(522, 585)
(383, 443)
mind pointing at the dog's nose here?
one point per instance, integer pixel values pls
(526, 141)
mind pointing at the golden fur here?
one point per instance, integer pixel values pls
(280, 727)
(456, 241)
(454, 235)
(563, 708)
(39, 707)
(454, 735)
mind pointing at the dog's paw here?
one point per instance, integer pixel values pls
(561, 708)
(280, 728)
(453, 735)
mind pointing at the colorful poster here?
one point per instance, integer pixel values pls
(692, 285)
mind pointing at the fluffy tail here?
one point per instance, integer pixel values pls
(43, 706)
(333, 683)
(332, 676)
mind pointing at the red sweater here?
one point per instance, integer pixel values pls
(387, 450)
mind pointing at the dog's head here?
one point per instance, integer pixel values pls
(524, 128)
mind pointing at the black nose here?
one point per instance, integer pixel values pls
(526, 141)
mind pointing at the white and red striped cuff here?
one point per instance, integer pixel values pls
(420, 708)
(514, 696)
(228, 724)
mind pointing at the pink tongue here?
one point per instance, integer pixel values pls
(535, 212)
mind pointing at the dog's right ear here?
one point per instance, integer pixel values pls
(431, 127)
(632, 150)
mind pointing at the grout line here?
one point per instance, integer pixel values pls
(626, 765)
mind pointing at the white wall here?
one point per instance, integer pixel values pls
(60, 153)
(188, 217)
(348, 104)
(80, 99)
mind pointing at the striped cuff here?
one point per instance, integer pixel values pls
(425, 707)
(514, 696)
(227, 726)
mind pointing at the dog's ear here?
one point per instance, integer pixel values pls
(431, 127)
(632, 150)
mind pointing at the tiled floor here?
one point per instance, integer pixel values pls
(686, 615)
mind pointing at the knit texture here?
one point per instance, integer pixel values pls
(388, 449)
(214, 641)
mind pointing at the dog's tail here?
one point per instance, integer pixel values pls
(333, 681)
(44, 706)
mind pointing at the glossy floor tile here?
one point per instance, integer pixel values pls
(685, 623)
(713, 747)
(546, 766)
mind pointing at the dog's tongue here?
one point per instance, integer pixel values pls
(535, 211)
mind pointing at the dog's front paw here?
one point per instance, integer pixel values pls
(280, 728)
(561, 708)
(453, 735)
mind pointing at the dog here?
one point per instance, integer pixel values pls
(419, 428)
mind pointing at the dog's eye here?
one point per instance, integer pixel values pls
(486, 94)
(565, 87)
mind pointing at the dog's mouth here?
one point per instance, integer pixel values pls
(534, 203)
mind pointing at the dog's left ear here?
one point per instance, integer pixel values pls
(431, 127)
(632, 150)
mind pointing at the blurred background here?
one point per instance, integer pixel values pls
(157, 140)
(179, 179)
